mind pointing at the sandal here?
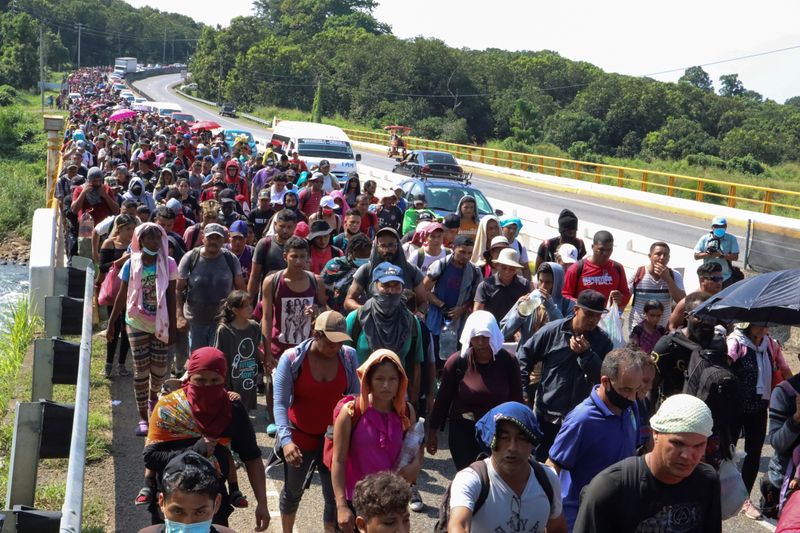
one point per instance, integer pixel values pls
(141, 429)
(238, 499)
(145, 497)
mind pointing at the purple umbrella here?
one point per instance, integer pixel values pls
(122, 114)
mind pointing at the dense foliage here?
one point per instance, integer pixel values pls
(111, 28)
(277, 57)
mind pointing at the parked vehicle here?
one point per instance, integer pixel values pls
(442, 194)
(431, 164)
(315, 142)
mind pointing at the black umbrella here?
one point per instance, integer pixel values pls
(771, 298)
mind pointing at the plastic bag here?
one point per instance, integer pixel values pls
(733, 493)
(611, 323)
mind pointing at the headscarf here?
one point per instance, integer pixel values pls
(135, 292)
(377, 357)
(481, 246)
(514, 412)
(481, 323)
(210, 405)
(385, 321)
(339, 195)
(468, 198)
(507, 221)
(142, 198)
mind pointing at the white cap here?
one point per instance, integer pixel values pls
(568, 253)
(683, 413)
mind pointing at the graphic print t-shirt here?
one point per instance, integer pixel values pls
(240, 347)
(147, 322)
(627, 498)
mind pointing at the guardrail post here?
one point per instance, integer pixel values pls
(597, 174)
(53, 125)
(698, 196)
(732, 196)
(768, 202)
(670, 185)
(620, 176)
(483, 155)
(558, 168)
(644, 181)
(24, 462)
(42, 382)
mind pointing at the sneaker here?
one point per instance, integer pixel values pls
(108, 370)
(141, 428)
(122, 371)
(415, 504)
(238, 499)
(145, 497)
(272, 429)
(750, 510)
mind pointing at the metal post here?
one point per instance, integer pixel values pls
(80, 28)
(53, 125)
(72, 509)
(24, 455)
(42, 386)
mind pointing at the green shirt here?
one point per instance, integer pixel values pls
(364, 350)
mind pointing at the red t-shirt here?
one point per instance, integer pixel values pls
(309, 201)
(99, 211)
(369, 224)
(603, 279)
(312, 406)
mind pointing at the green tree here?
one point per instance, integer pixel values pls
(19, 61)
(731, 85)
(678, 138)
(697, 77)
(316, 107)
(758, 143)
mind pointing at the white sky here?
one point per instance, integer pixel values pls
(625, 36)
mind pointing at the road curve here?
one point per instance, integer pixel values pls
(677, 229)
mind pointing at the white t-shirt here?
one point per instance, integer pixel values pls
(327, 183)
(412, 256)
(503, 511)
(650, 289)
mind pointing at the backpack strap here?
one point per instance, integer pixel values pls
(788, 388)
(420, 257)
(544, 481)
(481, 469)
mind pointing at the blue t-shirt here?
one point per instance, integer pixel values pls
(591, 439)
(449, 286)
(727, 244)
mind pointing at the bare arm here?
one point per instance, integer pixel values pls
(460, 520)
(266, 312)
(478, 307)
(322, 296)
(676, 318)
(239, 283)
(342, 430)
(258, 481)
(351, 300)
(252, 283)
(557, 525)
(553, 465)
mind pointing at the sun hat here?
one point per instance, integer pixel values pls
(508, 256)
(683, 413)
(499, 240)
(333, 325)
(319, 228)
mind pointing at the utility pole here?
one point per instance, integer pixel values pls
(173, 49)
(164, 51)
(79, 27)
(41, 62)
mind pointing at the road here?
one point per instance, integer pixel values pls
(439, 470)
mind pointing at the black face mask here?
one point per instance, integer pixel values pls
(701, 333)
(616, 398)
(136, 190)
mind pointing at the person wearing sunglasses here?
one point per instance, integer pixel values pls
(719, 246)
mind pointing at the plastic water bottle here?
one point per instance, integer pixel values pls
(448, 339)
(411, 443)
(528, 306)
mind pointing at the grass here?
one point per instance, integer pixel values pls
(16, 336)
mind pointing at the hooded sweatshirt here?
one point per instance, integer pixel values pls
(411, 274)
(237, 184)
(145, 198)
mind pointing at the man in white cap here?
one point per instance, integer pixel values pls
(389, 215)
(501, 290)
(668, 489)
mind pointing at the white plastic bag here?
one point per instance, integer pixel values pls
(611, 323)
(733, 493)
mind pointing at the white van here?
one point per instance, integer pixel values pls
(166, 109)
(315, 142)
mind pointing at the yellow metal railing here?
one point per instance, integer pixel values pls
(741, 195)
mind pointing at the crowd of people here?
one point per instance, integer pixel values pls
(370, 324)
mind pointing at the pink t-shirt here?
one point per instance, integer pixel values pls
(375, 445)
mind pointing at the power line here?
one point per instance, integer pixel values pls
(730, 60)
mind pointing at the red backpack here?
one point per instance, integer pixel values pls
(327, 449)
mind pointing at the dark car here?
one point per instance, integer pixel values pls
(430, 164)
(227, 110)
(443, 195)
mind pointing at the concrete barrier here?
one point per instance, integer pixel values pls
(43, 258)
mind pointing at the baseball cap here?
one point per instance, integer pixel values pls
(568, 253)
(316, 176)
(333, 325)
(719, 221)
(386, 272)
(148, 157)
(319, 228)
(72, 165)
(175, 205)
(593, 301)
(387, 229)
(215, 229)
(264, 193)
(327, 201)
(425, 216)
(239, 228)
(324, 162)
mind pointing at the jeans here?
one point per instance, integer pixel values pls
(293, 489)
(201, 335)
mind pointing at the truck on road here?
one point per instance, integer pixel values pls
(125, 65)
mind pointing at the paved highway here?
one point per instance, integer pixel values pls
(656, 225)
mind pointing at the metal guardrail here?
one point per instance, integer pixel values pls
(744, 196)
(247, 116)
(72, 510)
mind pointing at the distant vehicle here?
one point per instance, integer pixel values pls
(125, 65)
(75, 97)
(166, 109)
(430, 164)
(184, 117)
(315, 142)
(227, 110)
(129, 97)
(188, 87)
(139, 100)
(231, 135)
(442, 195)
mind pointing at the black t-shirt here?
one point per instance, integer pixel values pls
(497, 298)
(269, 257)
(626, 497)
(390, 218)
(673, 360)
(259, 218)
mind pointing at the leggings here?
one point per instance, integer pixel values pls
(755, 429)
(149, 365)
(462, 442)
(293, 487)
(120, 337)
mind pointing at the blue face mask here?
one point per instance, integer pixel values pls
(178, 527)
(359, 261)
(148, 251)
(718, 232)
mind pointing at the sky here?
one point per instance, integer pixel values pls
(637, 38)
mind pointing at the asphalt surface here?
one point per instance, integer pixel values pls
(438, 470)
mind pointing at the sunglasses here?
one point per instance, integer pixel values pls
(717, 279)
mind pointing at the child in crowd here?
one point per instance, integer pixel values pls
(239, 338)
(646, 333)
(381, 503)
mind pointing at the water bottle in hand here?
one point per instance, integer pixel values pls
(411, 443)
(448, 340)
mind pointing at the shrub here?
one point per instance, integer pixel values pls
(747, 164)
(8, 95)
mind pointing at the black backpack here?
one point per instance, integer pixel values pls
(483, 474)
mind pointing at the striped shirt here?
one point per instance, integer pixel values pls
(650, 289)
